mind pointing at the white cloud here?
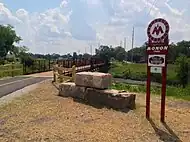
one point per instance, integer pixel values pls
(74, 24)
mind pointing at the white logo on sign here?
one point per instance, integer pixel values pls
(157, 30)
(156, 60)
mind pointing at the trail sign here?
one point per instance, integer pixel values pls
(156, 60)
(158, 30)
(156, 70)
(157, 33)
(157, 50)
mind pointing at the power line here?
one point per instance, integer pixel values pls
(154, 3)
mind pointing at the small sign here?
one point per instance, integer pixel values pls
(156, 60)
(156, 69)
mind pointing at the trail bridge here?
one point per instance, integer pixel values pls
(64, 67)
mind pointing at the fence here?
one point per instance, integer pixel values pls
(64, 68)
(37, 66)
(11, 70)
(16, 69)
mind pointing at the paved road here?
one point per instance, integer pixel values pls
(10, 85)
(12, 79)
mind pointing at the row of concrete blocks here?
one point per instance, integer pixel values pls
(104, 97)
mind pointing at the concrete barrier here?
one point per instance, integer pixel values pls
(93, 80)
(107, 97)
(69, 89)
(111, 98)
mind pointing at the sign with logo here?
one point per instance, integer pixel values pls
(157, 33)
(157, 50)
(156, 60)
(158, 30)
(156, 69)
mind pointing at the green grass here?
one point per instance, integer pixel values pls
(175, 92)
(139, 72)
(11, 70)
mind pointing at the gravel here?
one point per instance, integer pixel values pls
(42, 115)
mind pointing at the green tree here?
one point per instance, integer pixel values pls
(8, 37)
(182, 70)
(75, 55)
(119, 53)
(105, 53)
(86, 56)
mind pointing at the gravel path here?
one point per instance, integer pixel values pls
(41, 115)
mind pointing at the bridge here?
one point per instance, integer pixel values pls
(64, 67)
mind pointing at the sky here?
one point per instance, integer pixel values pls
(66, 26)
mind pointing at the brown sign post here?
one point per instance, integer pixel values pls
(157, 49)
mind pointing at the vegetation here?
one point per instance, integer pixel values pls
(182, 70)
(137, 71)
(177, 70)
(175, 92)
(11, 70)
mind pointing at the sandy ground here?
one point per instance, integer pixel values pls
(41, 115)
(42, 74)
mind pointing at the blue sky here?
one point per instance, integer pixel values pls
(63, 26)
(32, 5)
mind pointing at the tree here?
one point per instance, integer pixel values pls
(75, 55)
(7, 39)
(182, 70)
(86, 56)
(119, 53)
(104, 52)
(26, 59)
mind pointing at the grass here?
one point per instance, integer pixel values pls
(139, 72)
(175, 92)
(11, 70)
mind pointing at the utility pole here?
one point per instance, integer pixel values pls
(91, 49)
(125, 48)
(125, 43)
(132, 44)
(121, 43)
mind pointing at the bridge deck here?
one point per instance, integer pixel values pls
(68, 71)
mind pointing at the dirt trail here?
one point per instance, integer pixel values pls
(43, 116)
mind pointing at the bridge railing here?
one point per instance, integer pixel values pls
(78, 62)
(65, 67)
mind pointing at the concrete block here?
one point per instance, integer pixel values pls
(69, 89)
(111, 98)
(93, 80)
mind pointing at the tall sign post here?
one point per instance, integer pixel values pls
(157, 50)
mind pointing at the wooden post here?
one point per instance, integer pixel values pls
(54, 77)
(73, 73)
(148, 93)
(163, 95)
